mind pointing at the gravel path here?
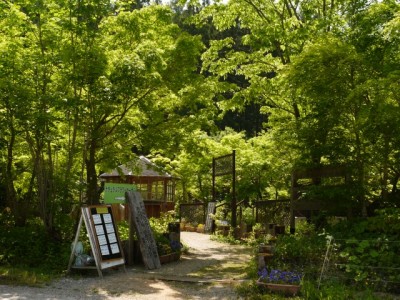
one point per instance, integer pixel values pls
(198, 275)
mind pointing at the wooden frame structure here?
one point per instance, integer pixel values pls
(226, 165)
(335, 176)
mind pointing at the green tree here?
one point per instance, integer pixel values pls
(13, 101)
(34, 60)
(320, 110)
(149, 63)
(339, 84)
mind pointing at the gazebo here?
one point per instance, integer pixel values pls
(156, 186)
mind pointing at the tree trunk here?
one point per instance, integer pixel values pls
(360, 177)
(71, 150)
(385, 171)
(92, 195)
(11, 197)
(45, 190)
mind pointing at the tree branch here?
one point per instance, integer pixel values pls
(258, 11)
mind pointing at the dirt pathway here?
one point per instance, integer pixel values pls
(208, 271)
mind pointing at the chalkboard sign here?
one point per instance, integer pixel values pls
(141, 224)
(105, 232)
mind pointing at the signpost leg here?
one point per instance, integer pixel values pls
(130, 241)
(91, 235)
(71, 259)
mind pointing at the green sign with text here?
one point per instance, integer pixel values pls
(115, 192)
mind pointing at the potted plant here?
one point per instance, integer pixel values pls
(190, 227)
(285, 282)
(168, 251)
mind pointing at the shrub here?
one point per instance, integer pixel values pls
(302, 252)
(31, 246)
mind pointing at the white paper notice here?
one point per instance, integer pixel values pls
(102, 240)
(99, 229)
(109, 228)
(97, 219)
(104, 250)
(107, 218)
(114, 248)
(112, 238)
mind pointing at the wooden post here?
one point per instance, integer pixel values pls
(292, 199)
(131, 239)
(213, 180)
(234, 208)
(208, 227)
(141, 223)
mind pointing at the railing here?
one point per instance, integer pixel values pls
(193, 212)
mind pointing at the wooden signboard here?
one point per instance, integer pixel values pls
(103, 237)
(209, 220)
(141, 224)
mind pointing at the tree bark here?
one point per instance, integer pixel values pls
(92, 195)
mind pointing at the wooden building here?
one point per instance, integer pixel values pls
(156, 186)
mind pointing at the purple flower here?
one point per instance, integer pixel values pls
(279, 276)
(175, 245)
(263, 273)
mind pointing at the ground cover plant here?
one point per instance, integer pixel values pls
(367, 251)
(362, 256)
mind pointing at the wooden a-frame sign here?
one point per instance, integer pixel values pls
(103, 237)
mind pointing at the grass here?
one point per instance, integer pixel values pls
(25, 276)
(223, 270)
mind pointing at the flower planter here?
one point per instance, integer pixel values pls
(286, 289)
(190, 228)
(167, 258)
(182, 226)
(280, 281)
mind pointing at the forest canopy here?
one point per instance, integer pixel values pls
(88, 85)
